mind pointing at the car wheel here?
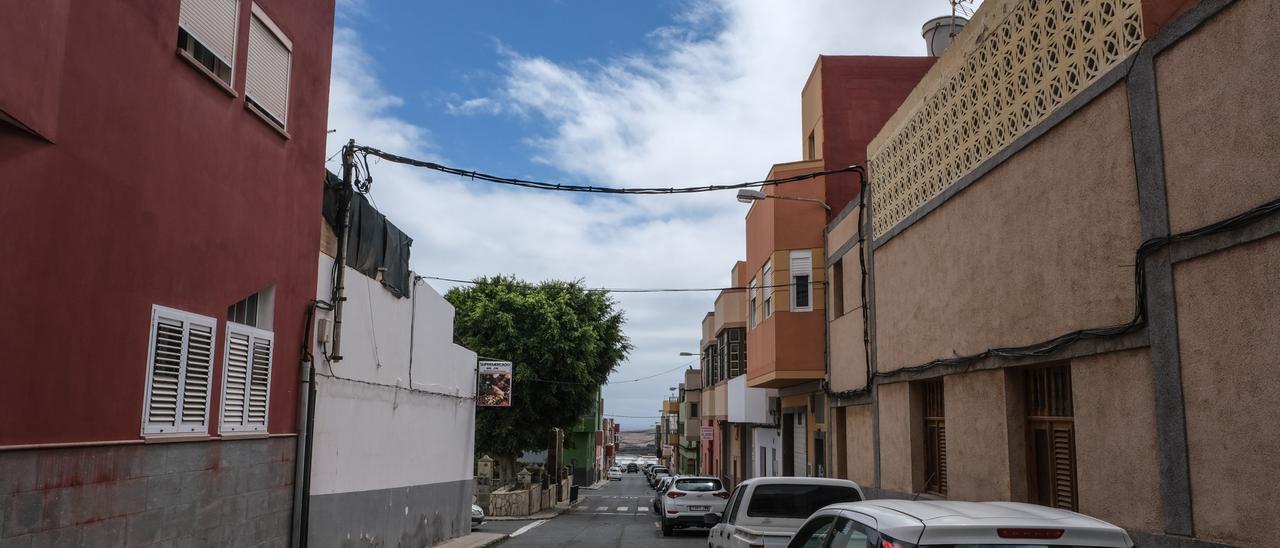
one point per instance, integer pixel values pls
(666, 528)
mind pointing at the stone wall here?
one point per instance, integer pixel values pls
(508, 503)
(211, 493)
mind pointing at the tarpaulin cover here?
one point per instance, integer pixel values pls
(374, 244)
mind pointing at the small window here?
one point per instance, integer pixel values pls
(814, 533)
(811, 150)
(179, 367)
(751, 313)
(1051, 433)
(851, 534)
(802, 281)
(837, 289)
(935, 438)
(767, 282)
(207, 34)
(246, 379)
(266, 85)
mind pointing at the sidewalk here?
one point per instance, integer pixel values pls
(482, 540)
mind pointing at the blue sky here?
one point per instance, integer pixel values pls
(648, 92)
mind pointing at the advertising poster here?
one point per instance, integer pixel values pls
(493, 388)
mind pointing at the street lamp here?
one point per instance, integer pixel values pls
(688, 354)
(748, 195)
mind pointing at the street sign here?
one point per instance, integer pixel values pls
(708, 432)
(493, 384)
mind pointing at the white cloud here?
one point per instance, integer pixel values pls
(717, 100)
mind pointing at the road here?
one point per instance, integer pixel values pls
(618, 514)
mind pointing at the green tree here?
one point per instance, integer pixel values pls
(563, 340)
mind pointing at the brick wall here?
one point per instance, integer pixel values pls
(217, 493)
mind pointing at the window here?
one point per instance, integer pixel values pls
(837, 289)
(699, 485)
(801, 281)
(851, 534)
(1051, 437)
(811, 150)
(179, 366)
(935, 438)
(767, 281)
(246, 378)
(735, 351)
(814, 533)
(796, 501)
(751, 312)
(207, 34)
(266, 81)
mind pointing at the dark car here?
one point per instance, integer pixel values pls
(632, 468)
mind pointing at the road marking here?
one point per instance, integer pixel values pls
(526, 528)
(624, 508)
(602, 508)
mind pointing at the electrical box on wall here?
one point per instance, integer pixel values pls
(322, 330)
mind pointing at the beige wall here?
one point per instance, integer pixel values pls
(811, 111)
(1036, 248)
(1117, 472)
(708, 329)
(722, 399)
(860, 444)
(847, 352)
(1218, 101)
(977, 436)
(1229, 336)
(900, 445)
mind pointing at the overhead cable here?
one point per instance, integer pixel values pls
(365, 151)
(634, 289)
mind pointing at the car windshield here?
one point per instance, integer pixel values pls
(796, 500)
(698, 484)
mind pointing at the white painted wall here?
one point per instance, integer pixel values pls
(377, 436)
(748, 405)
(770, 439)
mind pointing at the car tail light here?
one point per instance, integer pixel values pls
(722, 494)
(1048, 534)
(674, 494)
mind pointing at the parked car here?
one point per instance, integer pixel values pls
(615, 473)
(687, 499)
(911, 524)
(768, 511)
(657, 474)
(661, 488)
(632, 468)
(477, 515)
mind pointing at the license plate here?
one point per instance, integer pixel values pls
(700, 508)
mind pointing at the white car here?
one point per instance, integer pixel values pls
(687, 499)
(477, 516)
(912, 524)
(766, 512)
(615, 473)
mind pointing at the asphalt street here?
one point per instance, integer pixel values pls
(619, 514)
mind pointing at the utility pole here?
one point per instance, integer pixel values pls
(344, 232)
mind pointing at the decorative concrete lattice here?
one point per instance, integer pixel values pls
(1040, 56)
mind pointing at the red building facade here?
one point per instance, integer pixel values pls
(163, 166)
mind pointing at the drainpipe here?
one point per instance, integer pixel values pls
(306, 417)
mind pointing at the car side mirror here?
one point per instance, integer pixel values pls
(710, 519)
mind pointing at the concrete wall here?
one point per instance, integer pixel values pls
(1014, 245)
(1115, 432)
(770, 439)
(978, 460)
(230, 493)
(731, 306)
(860, 449)
(900, 444)
(392, 465)
(1218, 100)
(1227, 306)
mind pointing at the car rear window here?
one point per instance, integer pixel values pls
(696, 485)
(796, 500)
(660, 470)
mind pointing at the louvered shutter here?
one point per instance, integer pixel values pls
(246, 379)
(179, 363)
(267, 73)
(213, 23)
(1064, 466)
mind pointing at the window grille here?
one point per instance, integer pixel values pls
(935, 438)
(1051, 437)
(179, 366)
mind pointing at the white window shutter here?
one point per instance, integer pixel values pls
(267, 73)
(767, 280)
(179, 364)
(213, 23)
(246, 379)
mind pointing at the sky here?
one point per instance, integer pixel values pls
(603, 92)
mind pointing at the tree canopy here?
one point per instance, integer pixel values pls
(563, 341)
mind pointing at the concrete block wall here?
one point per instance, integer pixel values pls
(212, 493)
